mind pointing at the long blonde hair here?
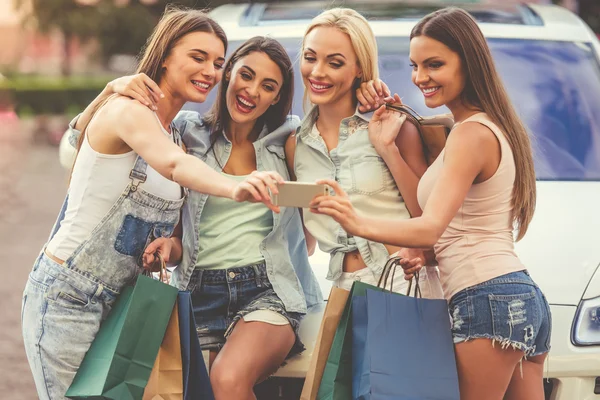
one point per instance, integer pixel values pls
(456, 29)
(361, 35)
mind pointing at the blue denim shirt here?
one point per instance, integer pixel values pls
(284, 248)
(362, 173)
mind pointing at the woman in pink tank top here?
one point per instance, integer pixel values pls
(479, 188)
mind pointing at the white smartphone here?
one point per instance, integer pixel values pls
(297, 194)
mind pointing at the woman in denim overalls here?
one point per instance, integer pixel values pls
(113, 210)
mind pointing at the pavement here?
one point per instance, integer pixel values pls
(32, 188)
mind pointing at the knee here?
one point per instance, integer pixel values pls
(229, 381)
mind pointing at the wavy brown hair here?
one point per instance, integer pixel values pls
(175, 23)
(456, 29)
(218, 117)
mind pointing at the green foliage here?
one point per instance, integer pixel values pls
(68, 16)
(43, 95)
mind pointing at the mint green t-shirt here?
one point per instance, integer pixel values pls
(231, 232)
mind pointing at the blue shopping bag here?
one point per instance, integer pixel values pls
(196, 383)
(409, 353)
(361, 374)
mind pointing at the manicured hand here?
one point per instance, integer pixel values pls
(372, 94)
(256, 188)
(139, 87)
(337, 207)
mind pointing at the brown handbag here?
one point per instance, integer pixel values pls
(433, 130)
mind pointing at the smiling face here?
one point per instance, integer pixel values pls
(437, 72)
(194, 66)
(329, 65)
(254, 84)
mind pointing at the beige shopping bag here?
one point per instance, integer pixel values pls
(166, 379)
(331, 318)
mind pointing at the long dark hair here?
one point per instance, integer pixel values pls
(218, 117)
(456, 29)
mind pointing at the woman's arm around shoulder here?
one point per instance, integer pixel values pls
(124, 123)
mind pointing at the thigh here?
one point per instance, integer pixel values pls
(254, 350)
(485, 369)
(69, 327)
(527, 382)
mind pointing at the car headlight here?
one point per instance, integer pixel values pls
(587, 323)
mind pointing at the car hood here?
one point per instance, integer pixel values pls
(561, 248)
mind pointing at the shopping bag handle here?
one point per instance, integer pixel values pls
(390, 268)
(158, 258)
(417, 293)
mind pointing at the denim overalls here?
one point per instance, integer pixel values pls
(64, 305)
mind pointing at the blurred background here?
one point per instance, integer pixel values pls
(55, 56)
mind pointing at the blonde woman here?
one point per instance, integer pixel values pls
(338, 53)
(477, 190)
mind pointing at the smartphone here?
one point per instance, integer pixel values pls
(297, 194)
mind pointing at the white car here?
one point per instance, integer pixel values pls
(549, 61)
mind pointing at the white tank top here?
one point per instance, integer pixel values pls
(96, 184)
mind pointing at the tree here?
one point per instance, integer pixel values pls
(125, 29)
(72, 19)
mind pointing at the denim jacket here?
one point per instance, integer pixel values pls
(362, 173)
(284, 249)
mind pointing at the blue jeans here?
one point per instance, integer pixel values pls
(222, 297)
(62, 311)
(509, 309)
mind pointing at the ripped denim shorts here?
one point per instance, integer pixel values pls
(510, 309)
(221, 297)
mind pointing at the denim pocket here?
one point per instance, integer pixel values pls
(65, 295)
(133, 236)
(367, 175)
(515, 316)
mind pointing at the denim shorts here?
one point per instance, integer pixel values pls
(222, 297)
(509, 309)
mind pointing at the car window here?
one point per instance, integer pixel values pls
(555, 87)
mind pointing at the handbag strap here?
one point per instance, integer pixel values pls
(411, 111)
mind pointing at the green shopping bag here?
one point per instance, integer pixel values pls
(119, 362)
(336, 383)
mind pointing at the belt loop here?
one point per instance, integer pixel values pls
(257, 275)
(199, 279)
(98, 292)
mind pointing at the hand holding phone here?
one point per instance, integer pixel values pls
(297, 194)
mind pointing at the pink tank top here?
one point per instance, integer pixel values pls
(478, 244)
